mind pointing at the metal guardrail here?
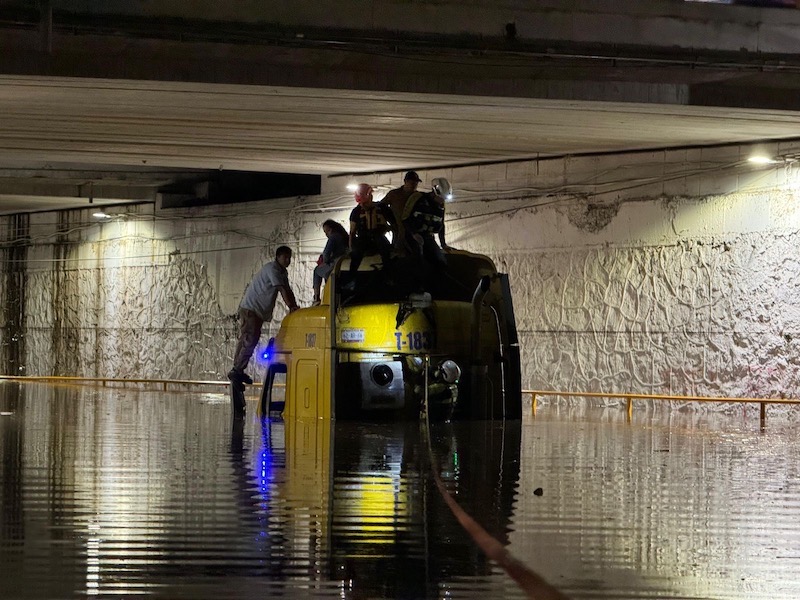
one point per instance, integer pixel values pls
(762, 402)
(106, 380)
(629, 398)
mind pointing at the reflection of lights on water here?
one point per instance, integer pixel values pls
(264, 474)
(93, 563)
(117, 526)
(452, 473)
(377, 502)
(347, 585)
(264, 470)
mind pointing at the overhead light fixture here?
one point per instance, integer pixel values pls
(762, 159)
(352, 187)
(101, 215)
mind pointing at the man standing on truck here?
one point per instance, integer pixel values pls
(396, 200)
(257, 306)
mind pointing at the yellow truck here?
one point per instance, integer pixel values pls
(399, 341)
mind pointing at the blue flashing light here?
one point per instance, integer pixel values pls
(268, 352)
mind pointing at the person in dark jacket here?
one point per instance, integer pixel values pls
(423, 216)
(335, 247)
(369, 223)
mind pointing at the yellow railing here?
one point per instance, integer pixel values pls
(106, 380)
(629, 398)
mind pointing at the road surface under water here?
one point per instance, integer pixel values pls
(128, 493)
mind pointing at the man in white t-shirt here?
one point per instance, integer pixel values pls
(256, 308)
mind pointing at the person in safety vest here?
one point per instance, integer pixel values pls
(396, 200)
(369, 223)
(423, 216)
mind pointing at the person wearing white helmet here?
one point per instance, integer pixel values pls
(443, 191)
(449, 371)
(423, 216)
(442, 390)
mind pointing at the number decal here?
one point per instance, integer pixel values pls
(426, 340)
(414, 340)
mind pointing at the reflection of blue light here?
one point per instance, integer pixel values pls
(264, 470)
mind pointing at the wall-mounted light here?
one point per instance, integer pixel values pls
(352, 187)
(101, 215)
(762, 159)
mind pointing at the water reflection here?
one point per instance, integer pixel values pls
(12, 529)
(392, 534)
(676, 504)
(120, 492)
(364, 512)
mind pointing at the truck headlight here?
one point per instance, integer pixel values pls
(382, 374)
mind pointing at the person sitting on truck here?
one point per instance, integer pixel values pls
(257, 306)
(369, 223)
(336, 246)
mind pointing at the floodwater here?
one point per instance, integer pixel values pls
(128, 493)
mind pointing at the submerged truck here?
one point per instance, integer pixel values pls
(399, 341)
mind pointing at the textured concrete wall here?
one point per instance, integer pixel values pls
(669, 272)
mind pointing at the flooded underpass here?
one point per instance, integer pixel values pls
(120, 492)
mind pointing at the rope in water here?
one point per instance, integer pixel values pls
(532, 584)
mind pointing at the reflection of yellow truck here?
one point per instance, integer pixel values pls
(353, 502)
(394, 342)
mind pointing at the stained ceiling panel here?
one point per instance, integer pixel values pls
(94, 124)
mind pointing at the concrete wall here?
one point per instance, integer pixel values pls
(668, 272)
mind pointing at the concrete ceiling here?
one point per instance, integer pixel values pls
(65, 140)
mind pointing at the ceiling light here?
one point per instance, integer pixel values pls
(352, 187)
(760, 159)
(101, 215)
